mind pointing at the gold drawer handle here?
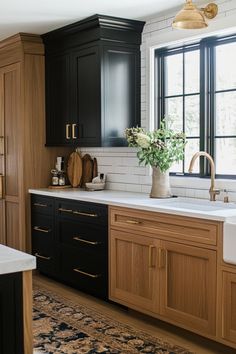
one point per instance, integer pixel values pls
(38, 228)
(41, 205)
(67, 131)
(93, 215)
(133, 222)
(73, 131)
(87, 274)
(42, 257)
(94, 243)
(1, 186)
(151, 264)
(65, 210)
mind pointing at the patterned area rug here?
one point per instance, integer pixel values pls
(63, 327)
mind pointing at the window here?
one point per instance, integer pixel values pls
(196, 93)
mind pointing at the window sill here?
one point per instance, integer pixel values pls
(202, 183)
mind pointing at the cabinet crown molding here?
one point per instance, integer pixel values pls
(97, 27)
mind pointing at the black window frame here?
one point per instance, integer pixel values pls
(207, 95)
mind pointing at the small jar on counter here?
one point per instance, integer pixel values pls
(55, 178)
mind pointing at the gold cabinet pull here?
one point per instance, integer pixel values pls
(161, 258)
(151, 263)
(42, 257)
(41, 205)
(87, 274)
(67, 131)
(73, 131)
(2, 150)
(94, 243)
(92, 215)
(70, 211)
(37, 228)
(134, 222)
(1, 186)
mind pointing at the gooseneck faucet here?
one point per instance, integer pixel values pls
(212, 191)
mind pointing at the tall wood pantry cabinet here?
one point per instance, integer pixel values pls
(92, 81)
(24, 161)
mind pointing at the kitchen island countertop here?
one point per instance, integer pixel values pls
(13, 261)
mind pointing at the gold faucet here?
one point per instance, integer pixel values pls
(212, 191)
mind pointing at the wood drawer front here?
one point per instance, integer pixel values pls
(81, 235)
(82, 211)
(178, 227)
(42, 205)
(84, 271)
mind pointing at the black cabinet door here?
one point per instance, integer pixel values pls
(11, 314)
(121, 88)
(86, 96)
(58, 123)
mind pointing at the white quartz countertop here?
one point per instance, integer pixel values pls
(198, 208)
(13, 261)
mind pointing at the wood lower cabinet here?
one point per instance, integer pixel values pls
(150, 271)
(133, 275)
(188, 286)
(229, 306)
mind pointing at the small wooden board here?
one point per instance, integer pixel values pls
(87, 175)
(60, 187)
(75, 169)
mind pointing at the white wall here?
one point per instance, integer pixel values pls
(121, 165)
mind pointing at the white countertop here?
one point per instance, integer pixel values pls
(198, 208)
(12, 261)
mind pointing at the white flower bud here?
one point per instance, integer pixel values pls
(143, 140)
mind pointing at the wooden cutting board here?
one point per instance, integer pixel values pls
(95, 167)
(75, 169)
(87, 174)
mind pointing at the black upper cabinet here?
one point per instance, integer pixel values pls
(57, 100)
(92, 81)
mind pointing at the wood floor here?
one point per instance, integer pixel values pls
(152, 326)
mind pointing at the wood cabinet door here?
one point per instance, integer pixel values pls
(229, 306)
(59, 120)
(13, 165)
(2, 172)
(133, 270)
(86, 97)
(188, 286)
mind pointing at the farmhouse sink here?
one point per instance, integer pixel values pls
(194, 204)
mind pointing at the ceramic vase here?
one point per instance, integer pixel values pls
(160, 184)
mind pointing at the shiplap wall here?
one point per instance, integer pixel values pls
(121, 165)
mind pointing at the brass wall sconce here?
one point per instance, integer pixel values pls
(190, 17)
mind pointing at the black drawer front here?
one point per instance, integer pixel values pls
(85, 272)
(81, 235)
(82, 211)
(42, 227)
(45, 255)
(42, 205)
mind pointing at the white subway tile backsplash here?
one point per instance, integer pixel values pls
(133, 188)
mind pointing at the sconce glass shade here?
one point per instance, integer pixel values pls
(190, 17)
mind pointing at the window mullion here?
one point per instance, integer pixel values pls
(204, 104)
(212, 103)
